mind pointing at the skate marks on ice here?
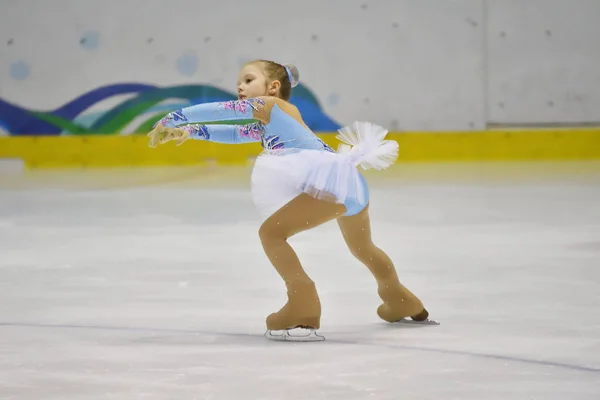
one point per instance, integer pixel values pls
(155, 334)
(259, 339)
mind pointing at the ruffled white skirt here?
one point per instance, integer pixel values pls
(281, 175)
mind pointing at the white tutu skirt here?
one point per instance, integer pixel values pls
(278, 177)
(281, 175)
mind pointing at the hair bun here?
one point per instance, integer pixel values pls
(293, 74)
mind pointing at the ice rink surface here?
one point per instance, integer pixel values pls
(151, 284)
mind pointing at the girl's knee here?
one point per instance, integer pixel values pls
(264, 232)
(270, 230)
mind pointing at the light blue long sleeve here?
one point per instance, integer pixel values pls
(234, 110)
(194, 119)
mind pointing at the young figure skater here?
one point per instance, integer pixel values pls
(299, 183)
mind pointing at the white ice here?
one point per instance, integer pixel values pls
(152, 284)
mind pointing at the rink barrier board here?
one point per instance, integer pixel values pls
(133, 150)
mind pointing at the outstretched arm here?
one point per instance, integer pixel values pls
(230, 134)
(257, 108)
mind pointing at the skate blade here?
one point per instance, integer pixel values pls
(408, 321)
(291, 335)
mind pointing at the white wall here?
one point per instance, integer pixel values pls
(543, 61)
(407, 64)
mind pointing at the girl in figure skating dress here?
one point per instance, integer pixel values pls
(299, 183)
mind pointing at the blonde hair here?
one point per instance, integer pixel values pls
(287, 75)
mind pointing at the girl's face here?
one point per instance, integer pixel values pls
(252, 82)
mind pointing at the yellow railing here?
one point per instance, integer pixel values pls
(120, 151)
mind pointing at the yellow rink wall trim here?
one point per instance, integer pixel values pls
(119, 150)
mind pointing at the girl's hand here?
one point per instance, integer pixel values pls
(161, 134)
